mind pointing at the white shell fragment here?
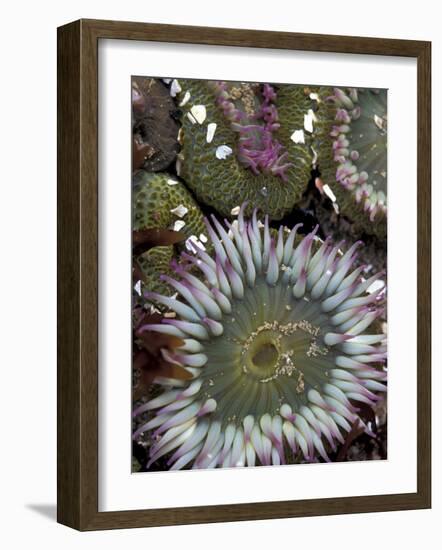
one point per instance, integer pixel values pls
(315, 157)
(178, 225)
(137, 288)
(235, 211)
(234, 225)
(327, 190)
(180, 211)
(172, 182)
(223, 151)
(175, 88)
(308, 121)
(185, 99)
(378, 121)
(199, 113)
(191, 118)
(377, 285)
(211, 129)
(298, 136)
(153, 309)
(203, 238)
(193, 243)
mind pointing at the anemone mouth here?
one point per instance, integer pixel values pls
(274, 336)
(263, 356)
(253, 115)
(271, 352)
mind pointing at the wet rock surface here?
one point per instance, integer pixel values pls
(155, 128)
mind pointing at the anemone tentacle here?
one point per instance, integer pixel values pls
(275, 338)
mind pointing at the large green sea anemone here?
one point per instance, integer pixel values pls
(239, 143)
(275, 336)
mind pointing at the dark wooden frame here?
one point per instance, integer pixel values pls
(78, 270)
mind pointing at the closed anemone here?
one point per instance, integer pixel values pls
(360, 147)
(251, 127)
(275, 336)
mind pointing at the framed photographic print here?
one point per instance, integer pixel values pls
(244, 275)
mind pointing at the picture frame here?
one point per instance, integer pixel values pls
(78, 274)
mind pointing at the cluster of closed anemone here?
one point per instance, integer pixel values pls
(275, 336)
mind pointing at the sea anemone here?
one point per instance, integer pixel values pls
(275, 338)
(161, 201)
(352, 145)
(237, 144)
